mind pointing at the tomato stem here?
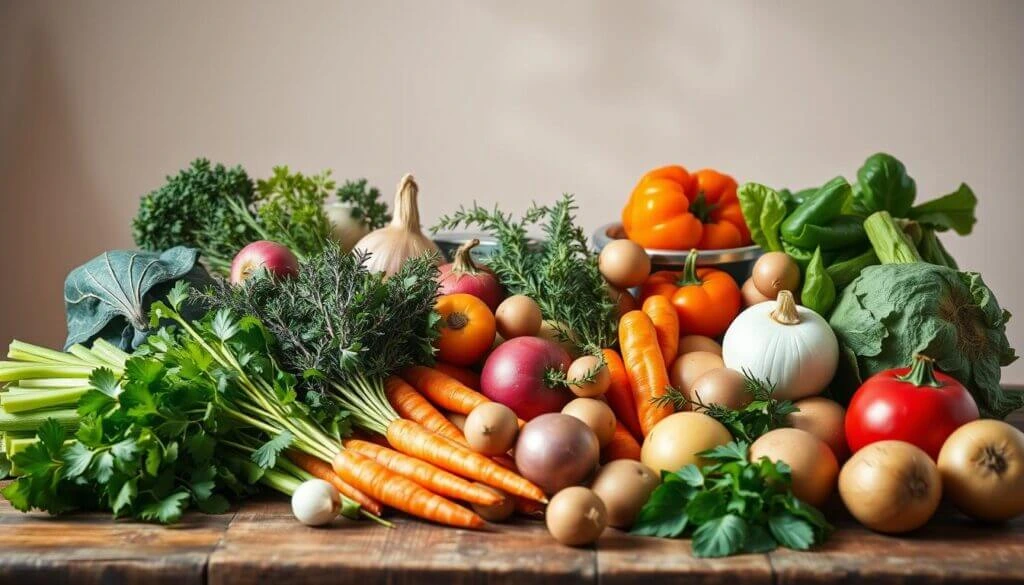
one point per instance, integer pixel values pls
(922, 373)
(463, 263)
(689, 275)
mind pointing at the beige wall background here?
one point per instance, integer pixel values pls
(494, 101)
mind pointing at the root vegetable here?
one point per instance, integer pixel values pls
(624, 263)
(315, 503)
(691, 343)
(822, 418)
(752, 296)
(464, 276)
(517, 374)
(814, 466)
(518, 316)
(576, 516)
(891, 486)
(595, 414)
(499, 512)
(774, 272)
(721, 386)
(393, 244)
(624, 486)
(556, 451)
(982, 469)
(491, 428)
(676, 440)
(584, 367)
(689, 367)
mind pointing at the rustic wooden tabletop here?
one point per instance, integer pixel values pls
(261, 543)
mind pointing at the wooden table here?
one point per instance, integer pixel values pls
(262, 543)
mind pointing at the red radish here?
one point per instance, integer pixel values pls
(276, 258)
(463, 276)
(516, 372)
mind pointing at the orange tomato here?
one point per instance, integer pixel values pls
(675, 210)
(467, 329)
(706, 299)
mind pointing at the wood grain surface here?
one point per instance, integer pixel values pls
(261, 543)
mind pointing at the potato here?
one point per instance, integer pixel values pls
(624, 486)
(675, 441)
(518, 316)
(491, 428)
(721, 386)
(576, 516)
(691, 343)
(688, 367)
(580, 368)
(814, 466)
(624, 263)
(595, 414)
(824, 419)
(891, 486)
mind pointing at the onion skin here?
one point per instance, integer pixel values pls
(891, 487)
(556, 451)
(393, 244)
(982, 468)
(464, 276)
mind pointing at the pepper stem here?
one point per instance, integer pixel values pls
(785, 309)
(922, 373)
(701, 208)
(463, 262)
(689, 275)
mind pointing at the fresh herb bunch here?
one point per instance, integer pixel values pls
(337, 321)
(289, 210)
(366, 204)
(560, 272)
(762, 414)
(198, 208)
(732, 506)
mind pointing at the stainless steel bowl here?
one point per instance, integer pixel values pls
(449, 242)
(736, 261)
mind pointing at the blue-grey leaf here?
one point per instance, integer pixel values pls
(110, 295)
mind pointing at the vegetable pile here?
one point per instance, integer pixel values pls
(331, 355)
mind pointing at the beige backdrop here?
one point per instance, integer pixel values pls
(497, 101)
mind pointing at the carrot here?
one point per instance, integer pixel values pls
(666, 325)
(401, 493)
(410, 404)
(321, 469)
(414, 440)
(645, 368)
(443, 390)
(622, 446)
(619, 395)
(436, 480)
(465, 377)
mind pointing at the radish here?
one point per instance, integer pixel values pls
(521, 374)
(463, 276)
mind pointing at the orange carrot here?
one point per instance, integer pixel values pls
(465, 377)
(666, 325)
(436, 480)
(401, 493)
(414, 440)
(321, 469)
(619, 395)
(622, 446)
(410, 404)
(648, 376)
(443, 390)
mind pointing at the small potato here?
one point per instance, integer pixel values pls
(498, 512)
(677, 440)
(687, 368)
(576, 516)
(624, 486)
(692, 343)
(721, 386)
(518, 316)
(624, 263)
(579, 370)
(752, 296)
(491, 428)
(774, 272)
(814, 466)
(824, 419)
(595, 414)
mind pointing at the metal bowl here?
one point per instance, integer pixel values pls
(736, 261)
(449, 242)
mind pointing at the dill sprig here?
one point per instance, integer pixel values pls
(762, 414)
(560, 272)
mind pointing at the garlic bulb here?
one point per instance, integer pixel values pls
(393, 244)
(345, 229)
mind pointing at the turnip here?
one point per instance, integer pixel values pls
(315, 503)
(276, 258)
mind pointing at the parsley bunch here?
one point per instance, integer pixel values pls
(289, 210)
(366, 204)
(560, 272)
(732, 506)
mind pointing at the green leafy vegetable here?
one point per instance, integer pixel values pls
(198, 208)
(560, 274)
(904, 307)
(290, 210)
(954, 211)
(883, 185)
(819, 292)
(366, 204)
(764, 209)
(109, 296)
(732, 506)
(762, 414)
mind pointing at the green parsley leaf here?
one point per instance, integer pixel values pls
(77, 458)
(664, 513)
(790, 531)
(125, 496)
(720, 537)
(266, 456)
(166, 510)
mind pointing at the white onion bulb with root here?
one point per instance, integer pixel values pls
(402, 239)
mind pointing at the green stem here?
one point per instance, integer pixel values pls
(11, 371)
(30, 421)
(922, 373)
(51, 383)
(87, 356)
(689, 275)
(41, 399)
(891, 244)
(47, 355)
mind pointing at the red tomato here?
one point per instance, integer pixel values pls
(917, 405)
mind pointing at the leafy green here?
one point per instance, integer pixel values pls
(290, 210)
(109, 296)
(819, 292)
(560, 273)
(732, 506)
(954, 211)
(883, 185)
(366, 204)
(198, 208)
(895, 311)
(762, 414)
(764, 209)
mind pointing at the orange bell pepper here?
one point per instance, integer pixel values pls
(672, 209)
(706, 299)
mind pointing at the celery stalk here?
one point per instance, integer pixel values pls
(30, 421)
(891, 244)
(49, 383)
(281, 482)
(23, 402)
(60, 357)
(110, 353)
(10, 371)
(83, 353)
